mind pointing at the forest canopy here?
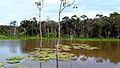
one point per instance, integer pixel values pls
(82, 27)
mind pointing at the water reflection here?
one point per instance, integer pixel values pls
(107, 50)
(10, 48)
(107, 55)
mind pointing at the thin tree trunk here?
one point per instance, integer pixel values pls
(59, 30)
(48, 31)
(14, 31)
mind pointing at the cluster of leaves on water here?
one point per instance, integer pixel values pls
(15, 59)
(20, 67)
(44, 54)
(84, 46)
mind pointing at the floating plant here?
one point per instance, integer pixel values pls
(15, 59)
(20, 67)
(44, 54)
(84, 46)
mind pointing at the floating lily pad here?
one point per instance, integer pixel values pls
(1, 64)
(87, 47)
(20, 67)
(13, 61)
(76, 47)
(45, 49)
(15, 58)
(65, 46)
(66, 49)
(45, 59)
(51, 56)
(75, 44)
(44, 54)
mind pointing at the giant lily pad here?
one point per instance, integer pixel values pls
(76, 47)
(75, 44)
(15, 59)
(44, 54)
(87, 47)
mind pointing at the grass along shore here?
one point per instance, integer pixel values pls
(3, 37)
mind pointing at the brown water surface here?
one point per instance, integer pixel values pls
(107, 56)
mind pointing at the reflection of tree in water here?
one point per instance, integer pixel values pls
(84, 58)
(99, 60)
(108, 51)
(30, 45)
(13, 46)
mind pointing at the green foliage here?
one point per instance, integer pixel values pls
(15, 59)
(81, 27)
(20, 67)
(44, 54)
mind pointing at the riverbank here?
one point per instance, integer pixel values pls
(87, 39)
(2, 37)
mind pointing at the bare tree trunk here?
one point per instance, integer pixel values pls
(58, 30)
(40, 23)
(48, 31)
(25, 31)
(62, 5)
(118, 36)
(15, 31)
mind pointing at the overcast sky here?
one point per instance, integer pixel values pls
(26, 9)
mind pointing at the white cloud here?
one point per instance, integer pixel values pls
(25, 9)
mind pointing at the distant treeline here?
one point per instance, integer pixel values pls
(83, 27)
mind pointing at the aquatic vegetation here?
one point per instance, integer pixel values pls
(75, 44)
(44, 54)
(66, 49)
(43, 59)
(15, 59)
(51, 56)
(87, 47)
(84, 46)
(64, 46)
(76, 47)
(20, 67)
(1, 64)
(45, 49)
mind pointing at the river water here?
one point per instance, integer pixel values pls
(107, 56)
